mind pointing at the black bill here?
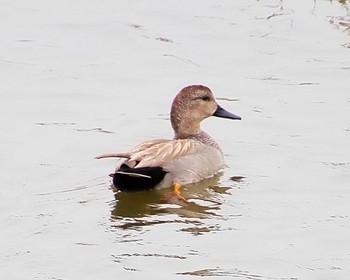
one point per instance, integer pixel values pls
(222, 113)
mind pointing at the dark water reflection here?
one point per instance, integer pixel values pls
(140, 209)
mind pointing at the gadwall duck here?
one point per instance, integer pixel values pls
(191, 156)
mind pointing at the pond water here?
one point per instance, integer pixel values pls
(82, 78)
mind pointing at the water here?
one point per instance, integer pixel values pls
(84, 78)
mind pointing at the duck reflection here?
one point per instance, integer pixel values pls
(149, 207)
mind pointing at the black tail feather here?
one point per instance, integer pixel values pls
(126, 183)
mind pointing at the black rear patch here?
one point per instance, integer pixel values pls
(126, 183)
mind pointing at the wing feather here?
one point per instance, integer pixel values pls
(119, 155)
(161, 153)
(155, 153)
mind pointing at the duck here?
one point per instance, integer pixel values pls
(191, 156)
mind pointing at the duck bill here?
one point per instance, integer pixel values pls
(222, 113)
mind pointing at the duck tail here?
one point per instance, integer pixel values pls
(130, 179)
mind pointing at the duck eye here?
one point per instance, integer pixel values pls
(205, 98)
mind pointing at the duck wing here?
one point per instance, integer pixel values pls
(139, 147)
(161, 153)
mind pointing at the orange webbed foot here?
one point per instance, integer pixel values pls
(175, 197)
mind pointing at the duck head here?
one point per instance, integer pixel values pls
(192, 105)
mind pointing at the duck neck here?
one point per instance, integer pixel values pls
(183, 130)
(189, 128)
(201, 136)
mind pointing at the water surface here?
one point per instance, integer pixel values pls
(84, 78)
